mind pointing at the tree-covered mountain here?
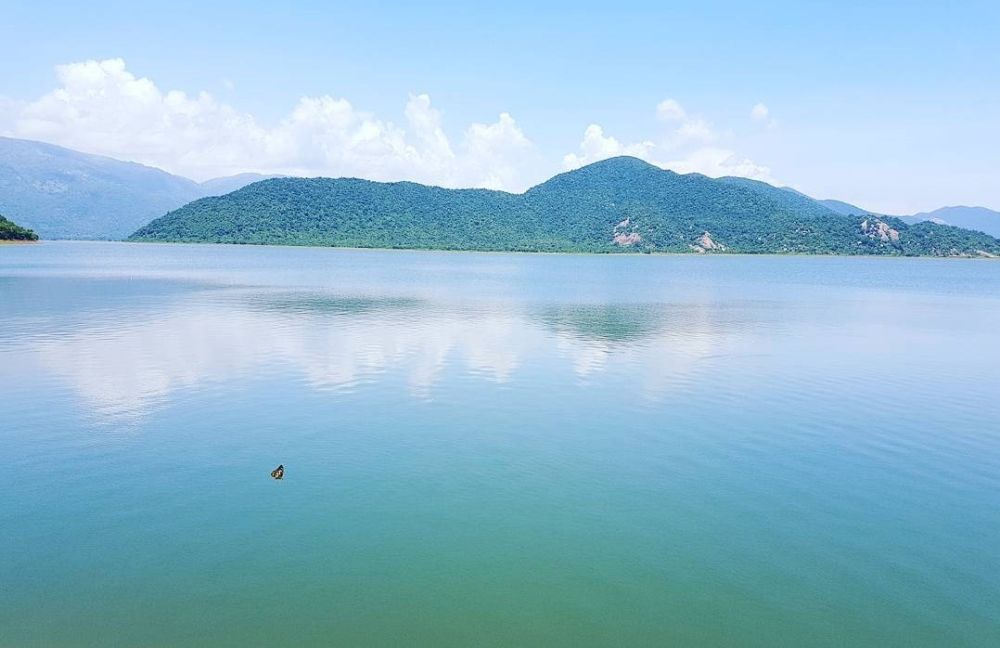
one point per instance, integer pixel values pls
(617, 205)
(10, 231)
(61, 193)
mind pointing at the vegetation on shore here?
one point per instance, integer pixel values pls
(10, 231)
(617, 205)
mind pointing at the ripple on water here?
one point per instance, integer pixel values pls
(537, 449)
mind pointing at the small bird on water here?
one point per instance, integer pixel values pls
(279, 472)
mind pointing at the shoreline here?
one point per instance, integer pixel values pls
(546, 252)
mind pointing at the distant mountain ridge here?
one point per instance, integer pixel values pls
(838, 206)
(973, 218)
(980, 219)
(616, 205)
(61, 193)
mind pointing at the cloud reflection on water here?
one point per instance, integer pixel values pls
(126, 361)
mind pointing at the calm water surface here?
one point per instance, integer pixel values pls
(496, 450)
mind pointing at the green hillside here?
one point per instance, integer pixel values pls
(617, 205)
(10, 231)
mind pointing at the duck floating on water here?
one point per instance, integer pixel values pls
(279, 472)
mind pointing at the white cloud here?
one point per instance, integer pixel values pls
(690, 146)
(101, 107)
(717, 162)
(498, 153)
(9, 110)
(670, 110)
(759, 112)
(596, 146)
(694, 130)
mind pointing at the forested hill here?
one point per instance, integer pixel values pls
(617, 205)
(10, 231)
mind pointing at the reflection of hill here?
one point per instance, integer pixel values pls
(309, 303)
(611, 323)
(125, 356)
(664, 345)
(619, 325)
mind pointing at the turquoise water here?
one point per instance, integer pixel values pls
(496, 450)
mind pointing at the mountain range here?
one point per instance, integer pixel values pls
(61, 193)
(617, 205)
(974, 218)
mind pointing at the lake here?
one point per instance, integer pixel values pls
(496, 449)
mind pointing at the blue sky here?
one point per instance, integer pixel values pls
(895, 106)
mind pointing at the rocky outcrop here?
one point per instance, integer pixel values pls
(625, 234)
(627, 239)
(706, 243)
(879, 230)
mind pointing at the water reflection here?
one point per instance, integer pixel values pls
(611, 323)
(660, 343)
(311, 303)
(125, 360)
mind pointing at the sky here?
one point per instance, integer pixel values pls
(888, 105)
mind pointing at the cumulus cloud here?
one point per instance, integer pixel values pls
(717, 162)
(495, 153)
(597, 146)
(759, 112)
(694, 130)
(102, 107)
(9, 109)
(690, 145)
(670, 110)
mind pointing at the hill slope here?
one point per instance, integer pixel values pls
(13, 232)
(621, 204)
(61, 193)
(843, 208)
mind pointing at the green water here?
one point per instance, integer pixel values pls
(496, 450)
